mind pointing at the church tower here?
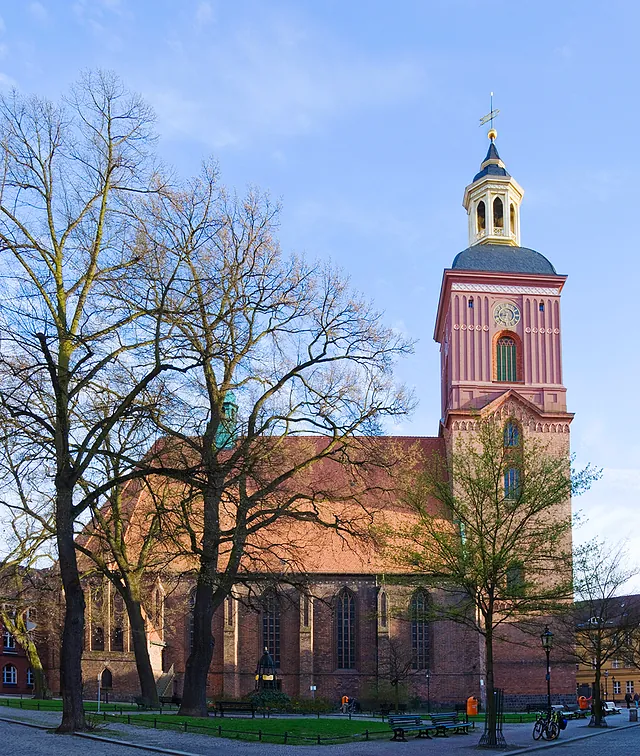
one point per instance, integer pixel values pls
(498, 321)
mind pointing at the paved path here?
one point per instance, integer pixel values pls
(577, 739)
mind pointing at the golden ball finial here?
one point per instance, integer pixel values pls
(492, 134)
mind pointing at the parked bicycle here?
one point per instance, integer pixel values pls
(547, 725)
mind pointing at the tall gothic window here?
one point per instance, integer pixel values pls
(117, 628)
(271, 625)
(346, 629)
(511, 434)
(481, 221)
(420, 629)
(511, 483)
(506, 359)
(498, 213)
(97, 618)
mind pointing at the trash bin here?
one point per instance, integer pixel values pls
(472, 706)
(633, 715)
(583, 703)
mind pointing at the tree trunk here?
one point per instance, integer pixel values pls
(73, 718)
(597, 699)
(194, 695)
(39, 679)
(148, 689)
(491, 726)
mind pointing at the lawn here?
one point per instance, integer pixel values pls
(56, 705)
(289, 730)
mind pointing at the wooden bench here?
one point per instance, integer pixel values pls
(401, 724)
(166, 700)
(444, 722)
(243, 707)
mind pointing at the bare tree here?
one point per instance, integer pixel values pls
(69, 178)
(601, 625)
(291, 368)
(497, 547)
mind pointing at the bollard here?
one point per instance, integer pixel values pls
(319, 739)
(366, 734)
(185, 726)
(220, 730)
(259, 734)
(155, 723)
(286, 735)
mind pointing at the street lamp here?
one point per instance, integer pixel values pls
(613, 690)
(606, 686)
(547, 642)
(428, 676)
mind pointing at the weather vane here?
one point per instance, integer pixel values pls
(489, 119)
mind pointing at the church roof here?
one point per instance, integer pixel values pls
(503, 258)
(492, 168)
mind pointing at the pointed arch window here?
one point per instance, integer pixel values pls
(106, 679)
(271, 625)
(97, 618)
(506, 364)
(512, 483)
(117, 628)
(511, 434)
(345, 615)
(420, 630)
(498, 214)
(481, 217)
(512, 219)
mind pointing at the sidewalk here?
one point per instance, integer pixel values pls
(518, 737)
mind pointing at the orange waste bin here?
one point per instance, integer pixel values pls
(472, 706)
(583, 703)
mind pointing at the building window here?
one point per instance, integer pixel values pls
(616, 664)
(498, 214)
(515, 579)
(616, 688)
(541, 307)
(420, 636)
(629, 686)
(8, 641)
(383, 609)
(511, 434)
(512, 219)
(306, 610)
(470, 303)
(346, 629)
(30, 678)
(9, 675)
(271, 625)
(481, 220)
(512, 487)
(506, 369)
(97, 639)
(158, 610)
(117, 631)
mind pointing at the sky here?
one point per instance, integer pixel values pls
(362, 117)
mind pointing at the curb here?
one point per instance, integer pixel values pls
(26, 724)
(603, 731)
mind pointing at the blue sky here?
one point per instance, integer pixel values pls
(362, 117)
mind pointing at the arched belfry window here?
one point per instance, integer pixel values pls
(512, 219)
(498, 213)
(481, 219)
(511, 434)
(420, 635)
(345, 617)
(271, 625)
(506, 365)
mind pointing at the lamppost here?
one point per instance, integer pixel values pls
(547, 642)
(428, 676)
(613, 691)
(606, 686)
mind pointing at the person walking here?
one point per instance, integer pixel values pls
(628, 698)
(636, 699)
(344, 704)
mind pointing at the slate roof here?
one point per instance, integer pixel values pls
(492, 169)
(502, 258)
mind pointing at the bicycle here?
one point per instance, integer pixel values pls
(547, 725)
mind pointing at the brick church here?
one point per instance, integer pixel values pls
(499, 330)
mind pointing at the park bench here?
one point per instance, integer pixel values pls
(444, 722)
(610, 708)
(401, 724)
(166, 700)
(573, 712)
(244, 707)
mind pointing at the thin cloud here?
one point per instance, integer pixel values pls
(38, 12)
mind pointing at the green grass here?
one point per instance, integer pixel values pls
(56, 705)
(298, 731)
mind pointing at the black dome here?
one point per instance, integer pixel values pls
(502, 258)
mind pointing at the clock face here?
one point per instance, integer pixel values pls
(506, 314)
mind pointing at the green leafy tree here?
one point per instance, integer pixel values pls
(495, 546)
